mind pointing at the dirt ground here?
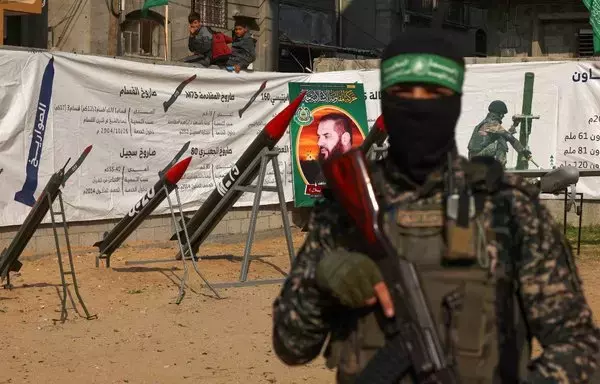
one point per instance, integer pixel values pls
(142, 336)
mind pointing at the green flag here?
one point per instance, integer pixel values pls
(593, 7)
(152, 3)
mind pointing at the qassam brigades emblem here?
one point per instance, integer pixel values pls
(303, 116)
(420, 66)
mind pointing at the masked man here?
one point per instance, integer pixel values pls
(489, 137)
(516, 281)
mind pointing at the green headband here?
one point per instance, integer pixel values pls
(422, 68)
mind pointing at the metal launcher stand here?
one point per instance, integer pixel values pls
(262, 160)
(71, 269)
(184, 248)
(578, 212)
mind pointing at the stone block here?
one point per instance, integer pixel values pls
(238, 214)
(147, 223)
(91, 227)
(220, 229)
(75, 239)
(262, 224)
(88, 239)
(145, 234)
(163, 233)
(233, 227)
(275, 222)
(4, 243)
(45, 244)
(245, 225)
(7, 233)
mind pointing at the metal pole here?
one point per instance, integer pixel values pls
(580, 222)
(340, 19)
(121, 4)
(565, 212)
(253, 217)
(402, 15)
(166, 32)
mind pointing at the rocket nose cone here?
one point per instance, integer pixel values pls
(277, 126)
(174, 174)
(379, 123)
(88, 149)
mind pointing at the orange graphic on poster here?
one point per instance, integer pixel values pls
(332, 130)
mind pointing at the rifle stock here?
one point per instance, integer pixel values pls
(412, 333)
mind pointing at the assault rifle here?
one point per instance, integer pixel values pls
(413, 345)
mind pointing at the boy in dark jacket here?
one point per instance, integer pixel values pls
(243, 50)
(199, 41)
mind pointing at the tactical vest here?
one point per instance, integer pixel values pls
(472, 305)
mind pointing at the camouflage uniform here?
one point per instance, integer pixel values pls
(489, 138)
(521, 237)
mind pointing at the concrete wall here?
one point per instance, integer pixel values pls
(86, 28)
(530, 28)
(369, 24)
(326, 64)
(158, 229)
(155, 229)
(536, 28)
(523, 28)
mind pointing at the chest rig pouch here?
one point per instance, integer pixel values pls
(446, 237)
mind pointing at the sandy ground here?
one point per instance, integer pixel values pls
(142, 336)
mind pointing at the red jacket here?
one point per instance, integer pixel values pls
(219, 45)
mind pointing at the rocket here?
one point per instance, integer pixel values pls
(144, 207)
(268, 137)
(254, 96)
(376, 135)
(9, 259)
(177, 92)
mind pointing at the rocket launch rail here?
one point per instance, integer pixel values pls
(183, 241)
(9, 258)
(242, 184)
(167, 182)
(61, 267)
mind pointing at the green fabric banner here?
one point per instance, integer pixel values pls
(593, 7)
(152, 3)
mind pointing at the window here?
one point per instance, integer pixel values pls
(144, 38)
(457, 12)
(480, 43)
(585, 42)
(212, 12)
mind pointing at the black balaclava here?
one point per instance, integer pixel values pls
(421, 132)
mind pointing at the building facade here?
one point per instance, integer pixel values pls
(290, 34)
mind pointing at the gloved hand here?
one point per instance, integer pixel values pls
(526, 153)
(354, 279)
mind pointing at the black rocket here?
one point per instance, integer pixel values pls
(268, 137)
(144, 207)
(9, 259)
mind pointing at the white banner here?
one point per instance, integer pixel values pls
(51, 110)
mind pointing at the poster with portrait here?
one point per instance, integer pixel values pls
(331, 119)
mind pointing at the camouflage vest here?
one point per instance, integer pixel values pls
(485, 145)
(471, 305)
